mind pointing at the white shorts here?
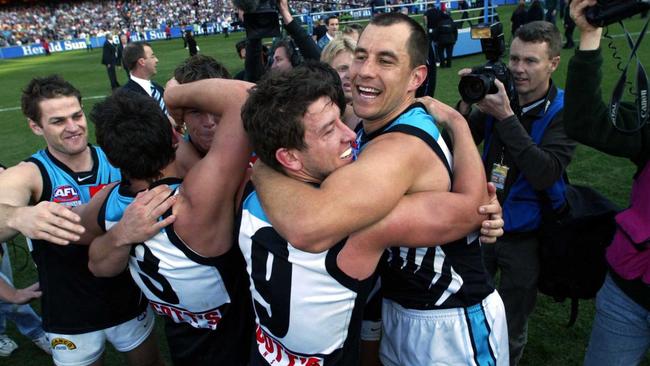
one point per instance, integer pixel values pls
(477, 335)
(84, 349)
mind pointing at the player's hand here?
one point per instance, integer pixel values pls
(25, 295)
(444, 115)
(492, 228)
(496, 105)
(48, 221)
(140, 221)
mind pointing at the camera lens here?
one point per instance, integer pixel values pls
(473, 87)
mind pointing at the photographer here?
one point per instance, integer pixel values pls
(285, 53)
(522, 154)
(621, 332)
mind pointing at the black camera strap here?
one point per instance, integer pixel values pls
(641, 86)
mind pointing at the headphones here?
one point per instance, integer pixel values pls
(293, 52)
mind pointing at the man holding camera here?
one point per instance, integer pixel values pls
(524, 153)
(620, 332)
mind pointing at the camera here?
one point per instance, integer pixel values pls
(481, 81)
(606, 12)
(261, 18)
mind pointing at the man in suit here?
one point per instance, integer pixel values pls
(332, 29)
(109, 59)
(140, 60)
(120, 52)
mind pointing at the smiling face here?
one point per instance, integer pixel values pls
(383, 79)
(341, 63)
(531, 67)
(63, 125)
(328, 139)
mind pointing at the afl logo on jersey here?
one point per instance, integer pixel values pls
(66, 195)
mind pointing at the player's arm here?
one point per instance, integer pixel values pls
(351, 198)
(109, 253)
(49, 221)
(427, 218)
(208, 194)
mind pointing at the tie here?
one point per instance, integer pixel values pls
(155, 94)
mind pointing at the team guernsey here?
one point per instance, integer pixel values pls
(74, 301)
(436, 277)
(308, 312)
(203, 298)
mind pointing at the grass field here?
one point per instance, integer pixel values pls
(550, 342)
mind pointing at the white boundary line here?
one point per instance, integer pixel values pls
(9, 109)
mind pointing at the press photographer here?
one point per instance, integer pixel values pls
(287, 52)
(524, 152)
(620, 333)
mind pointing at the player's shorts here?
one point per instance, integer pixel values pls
(84, 349)
(476, 335)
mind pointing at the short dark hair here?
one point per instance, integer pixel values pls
(132, 53)
(240, 46)
(200, 67)
(541, 31)
(48, 87)
(330, 18)
(134, 133)
(417, 42)
(276, 106)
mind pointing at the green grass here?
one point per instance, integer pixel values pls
(550, 342)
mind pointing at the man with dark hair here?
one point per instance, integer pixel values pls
(109, 59)
(140, 60)
(525, 155)
(332, 24)
(80, 311)
(191, 272)
(201, 125)
(293, 120)
(402, 152)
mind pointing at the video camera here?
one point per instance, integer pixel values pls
(606, 12)
(261, 18)
(474, 86)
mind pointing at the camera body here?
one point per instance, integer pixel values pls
(261, 18)
(606, 12)
(474, 86)
(481, 81)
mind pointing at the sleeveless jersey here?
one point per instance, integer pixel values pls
(74, 301)
(438, 277)
(207, 293)
(308, 312)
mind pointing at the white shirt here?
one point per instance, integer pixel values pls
(145, 84)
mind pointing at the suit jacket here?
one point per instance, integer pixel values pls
(109, 54)
(136, 88)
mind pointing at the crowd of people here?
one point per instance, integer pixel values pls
(26, 24)
(317, 212)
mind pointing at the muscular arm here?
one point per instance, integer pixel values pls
(313, 218)
(49, 221)
(206, 208)
(109, 252)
